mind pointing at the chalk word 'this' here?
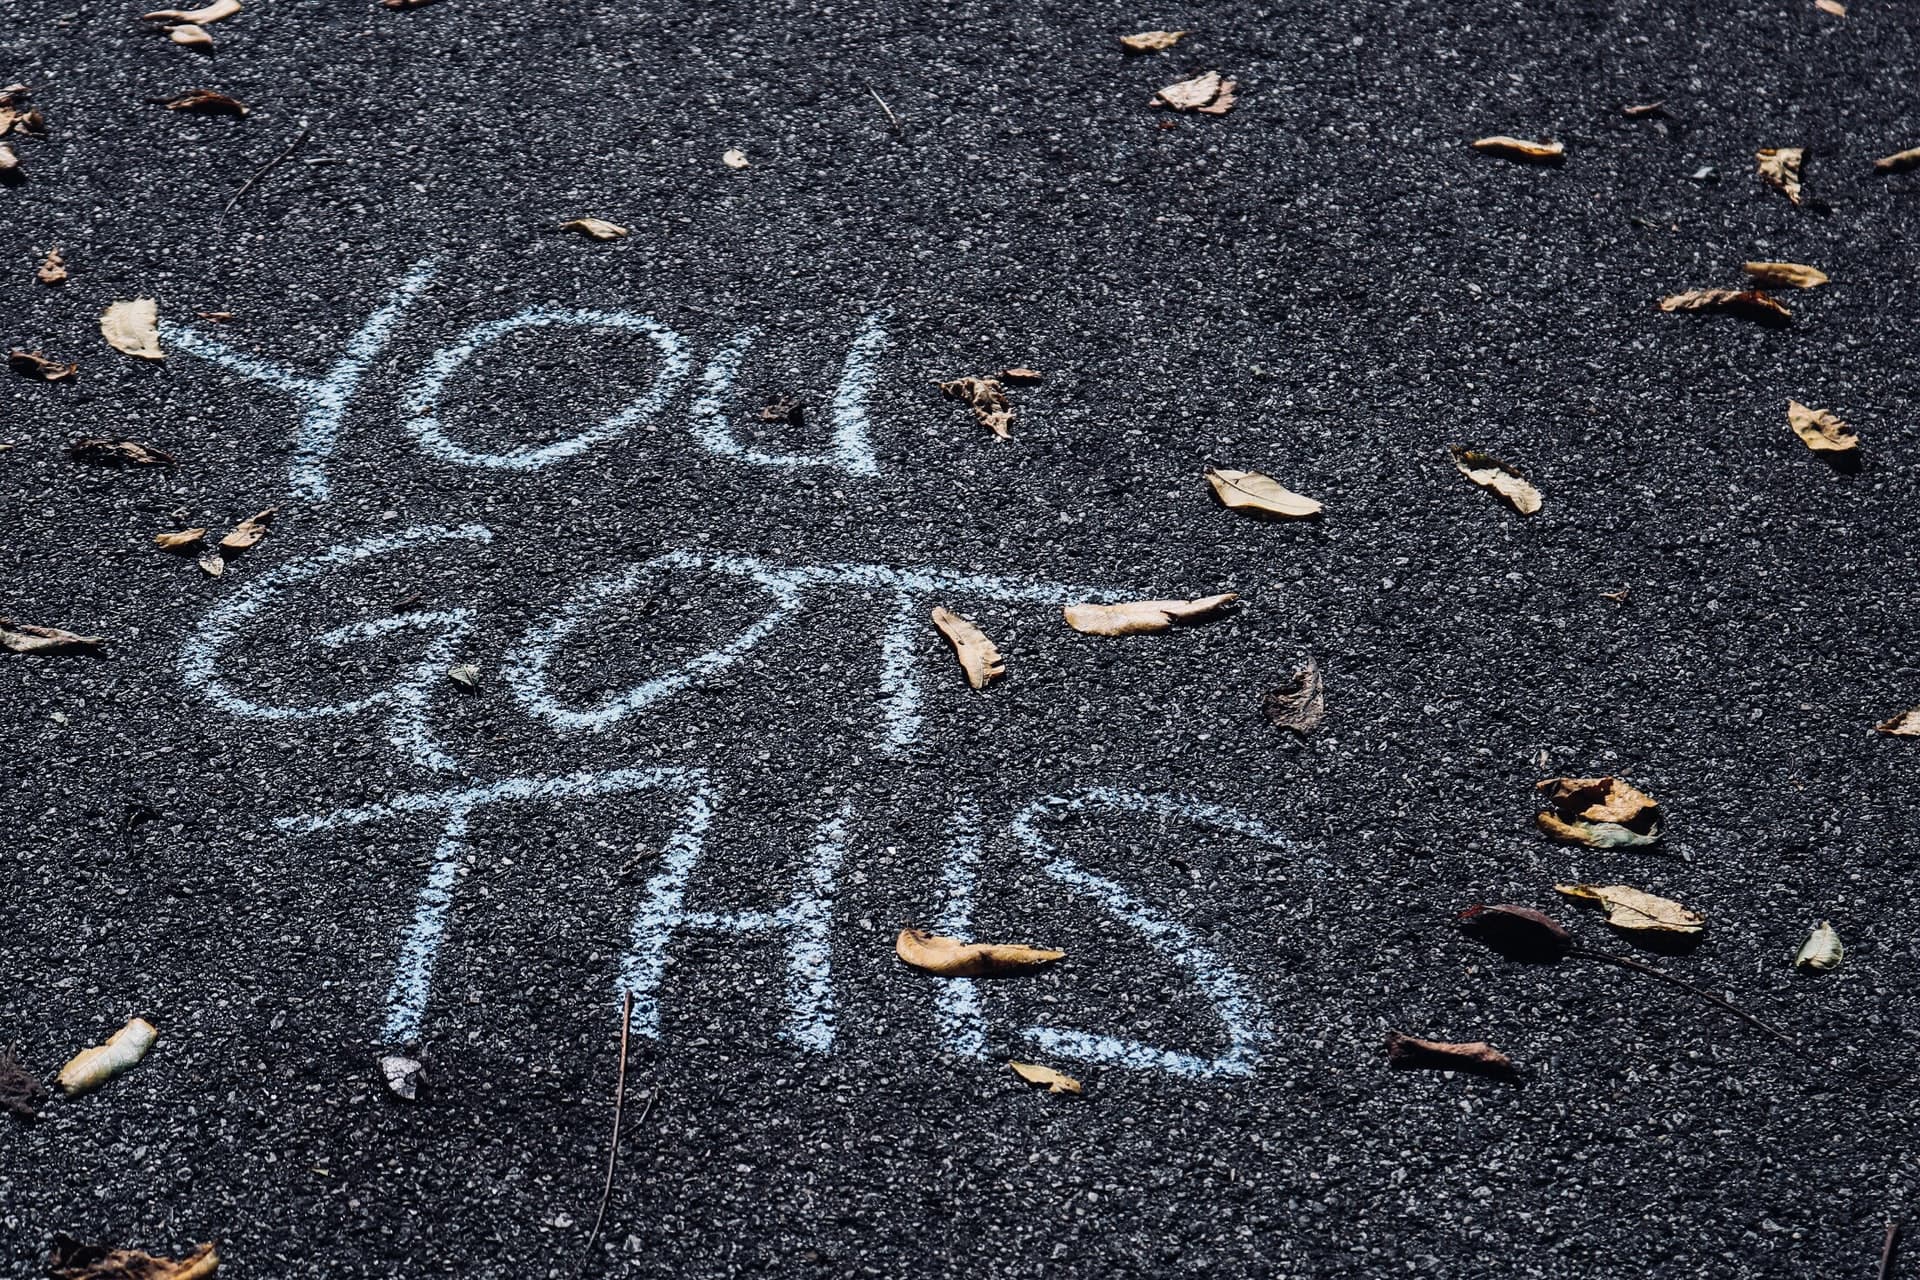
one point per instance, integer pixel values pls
(323, 400)
(803, 921)
(405, 703)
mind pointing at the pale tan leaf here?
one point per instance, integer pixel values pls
(1033, 1073)
(978, 656)
(218, 11)
(953, 958)
(248, 532)
(1833, 7)
(1899, 161)
(1496, 477)
(9, 162)
(1207, 94)
(1786, 275)
(212, 564)
(1600, 813)
(134, 328)
(1822, 952)
(1752, 304)
(190, 36)
(179, 540)
(1904, 725)
(1640, 110)
(91, 1068)
(1152, 41)
(1634, 909)
(1018, 377)
(71, 1260)
(1260, 495)
(734, 158)
(1301, 703)
(988, 400)
(1476, 1056)
(24, 637)
(596, 228)
(1136, 616)
(1512, 148)
(1821, 429)
(1781, 167)
(53, 270)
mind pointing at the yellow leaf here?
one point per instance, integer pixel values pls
(596, 228)
(1899, 161)
(91, 1068)
(978, 656)
(1635, 910)
(1035, 1074)
(72, 1260)
(952, 958)
(1792, 275)
(1820, 430)
(134, 328)
(1496, 476)
(1753, 304)
(1904, 725)
(1136, 616)
(1261, 495)
(1151, 41)
(1501, 144)
(1208, 94)
(1781, 167)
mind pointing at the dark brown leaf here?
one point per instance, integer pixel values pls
(1518, 933)
(20, 1093)
(1476, 1056)
(118, 453)
(206, 102)
(1300, 704)
(31, 364)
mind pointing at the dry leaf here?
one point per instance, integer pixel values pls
(1260, 495)
(1820, 430)
(1786, 275)
(218, 11)
(1521, 149)
(118, 453)
(1899, 161)
(1207, 94)
(404, 1077)
(978, 657)
(206, 102)
(734, 158)
(1136, 616)
(1781, 167)
(190, 36)
(9, 164)
(53, 270)
(1752, 304)
(24, 637)
(1021, 377)
(212, 565)
(1519, 933)
(1152, 41)
(1300, 704)
(247, 532)
(1833, 7)
(71, 1260)
(1496, 476)
(218, 317)
(784, 409)
(595, 228)
(466, 675)
(1476, 1056)
(31, 364)
(988, 400)
(91, 1068)
(133, 327)
(1822, 951)
(179, 540)
(20, 1093)
(1035, 1074)
(1600, 813)
(1639, 110)
(1635, 910)
(1904, 725)
(952, 958)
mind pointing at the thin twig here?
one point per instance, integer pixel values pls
(893, 121)
(1890, 1250)
(1626, 962)
(613, 1148)
(306, 131)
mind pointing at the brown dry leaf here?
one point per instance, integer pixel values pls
(133, 327)
(1600, 813)
(190, 36)
(247, 532)
(1476, 1056)
(1781, 167)
(1634, 909)
(218, 11)
(1752, 304)
(206, 102)
(1787, 275)
(1301, 703)
(988, 400)
(1021, 377)
(24, 637)
(1521, 149)
(1497, 477)
(1207, 94)
(71, 1260)
(1152, 41)
(1904, 725)
(1257, 494)
(1820, 429)
(118, 453)
(952, 958)
(1033, 1073)
(1833, 7)
(978, 657)
(20, 1093)
(17, 113)
(218, 317)
(1898, 162)
(31, 364)
(90, 1068)
(179, 539)
(1136, 616)
(53, 270)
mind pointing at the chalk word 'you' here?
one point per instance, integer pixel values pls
(322, 400)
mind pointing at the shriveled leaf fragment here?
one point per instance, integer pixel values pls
(1636, 910)
(1833, 7)
(1152, 41)
(20, 1093)
(1898, 162)
(1750, 304)
(248, 532)
(988, 400)
(1904, 725)
(1641, 110)
(466, 675)
(1476, 1056)
(9, 164)
(206, 102)
(71, 1260)
(218, 11)
(1822, 952)
(1600, 813)
(734, 158)
(1137, 616)
(24, 637)
(1021, 377)
(179, 539)
(1517, 932)
(1301, 703)
(1500, 144)
(1821, 429)
(31, 364)
(953, 958)
(403, 1077)
(91, 1068)
(1497, 477)
(595, 228)
(190, 36)
(133, 327)
(212, 564)
(784, 408)
(1208, 94)
(118, 453)
(1786, 275)
(1033, 1073)
(978, 656)
(1257, 494)
(53, 269)
(1780, 166)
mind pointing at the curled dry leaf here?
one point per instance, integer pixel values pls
(1476, 1056)
(1636, 910)
(133, 327)
(1497, 477)
(1137, 616)
(31, 364)
(734, 158)
(1600, 813)
(118, 453)
(1260, 495)
(1833, 7)
(190, 36)
(1780, 166)
(978, 656)
(91, 1068)
(1300, 704)
(206, 102)
(988, 400)
(24, 637)
(1517, 932)
(952, 958)
(1208, 94)
(248, 532)
(218, 11)
(1898, 162)
(1750, 304)
(1820, 429)
(53, 269)
(1521, 149)
(1904, 725)
(595, 228)
(1822, 952)
(403, 1077)
(179, 539)
(1152, 41)
(20, 1093)
(1786, 275)
(71, 1260)
(1033, 1073)
(784, 409)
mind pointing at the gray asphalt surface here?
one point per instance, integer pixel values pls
(1326, 284)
